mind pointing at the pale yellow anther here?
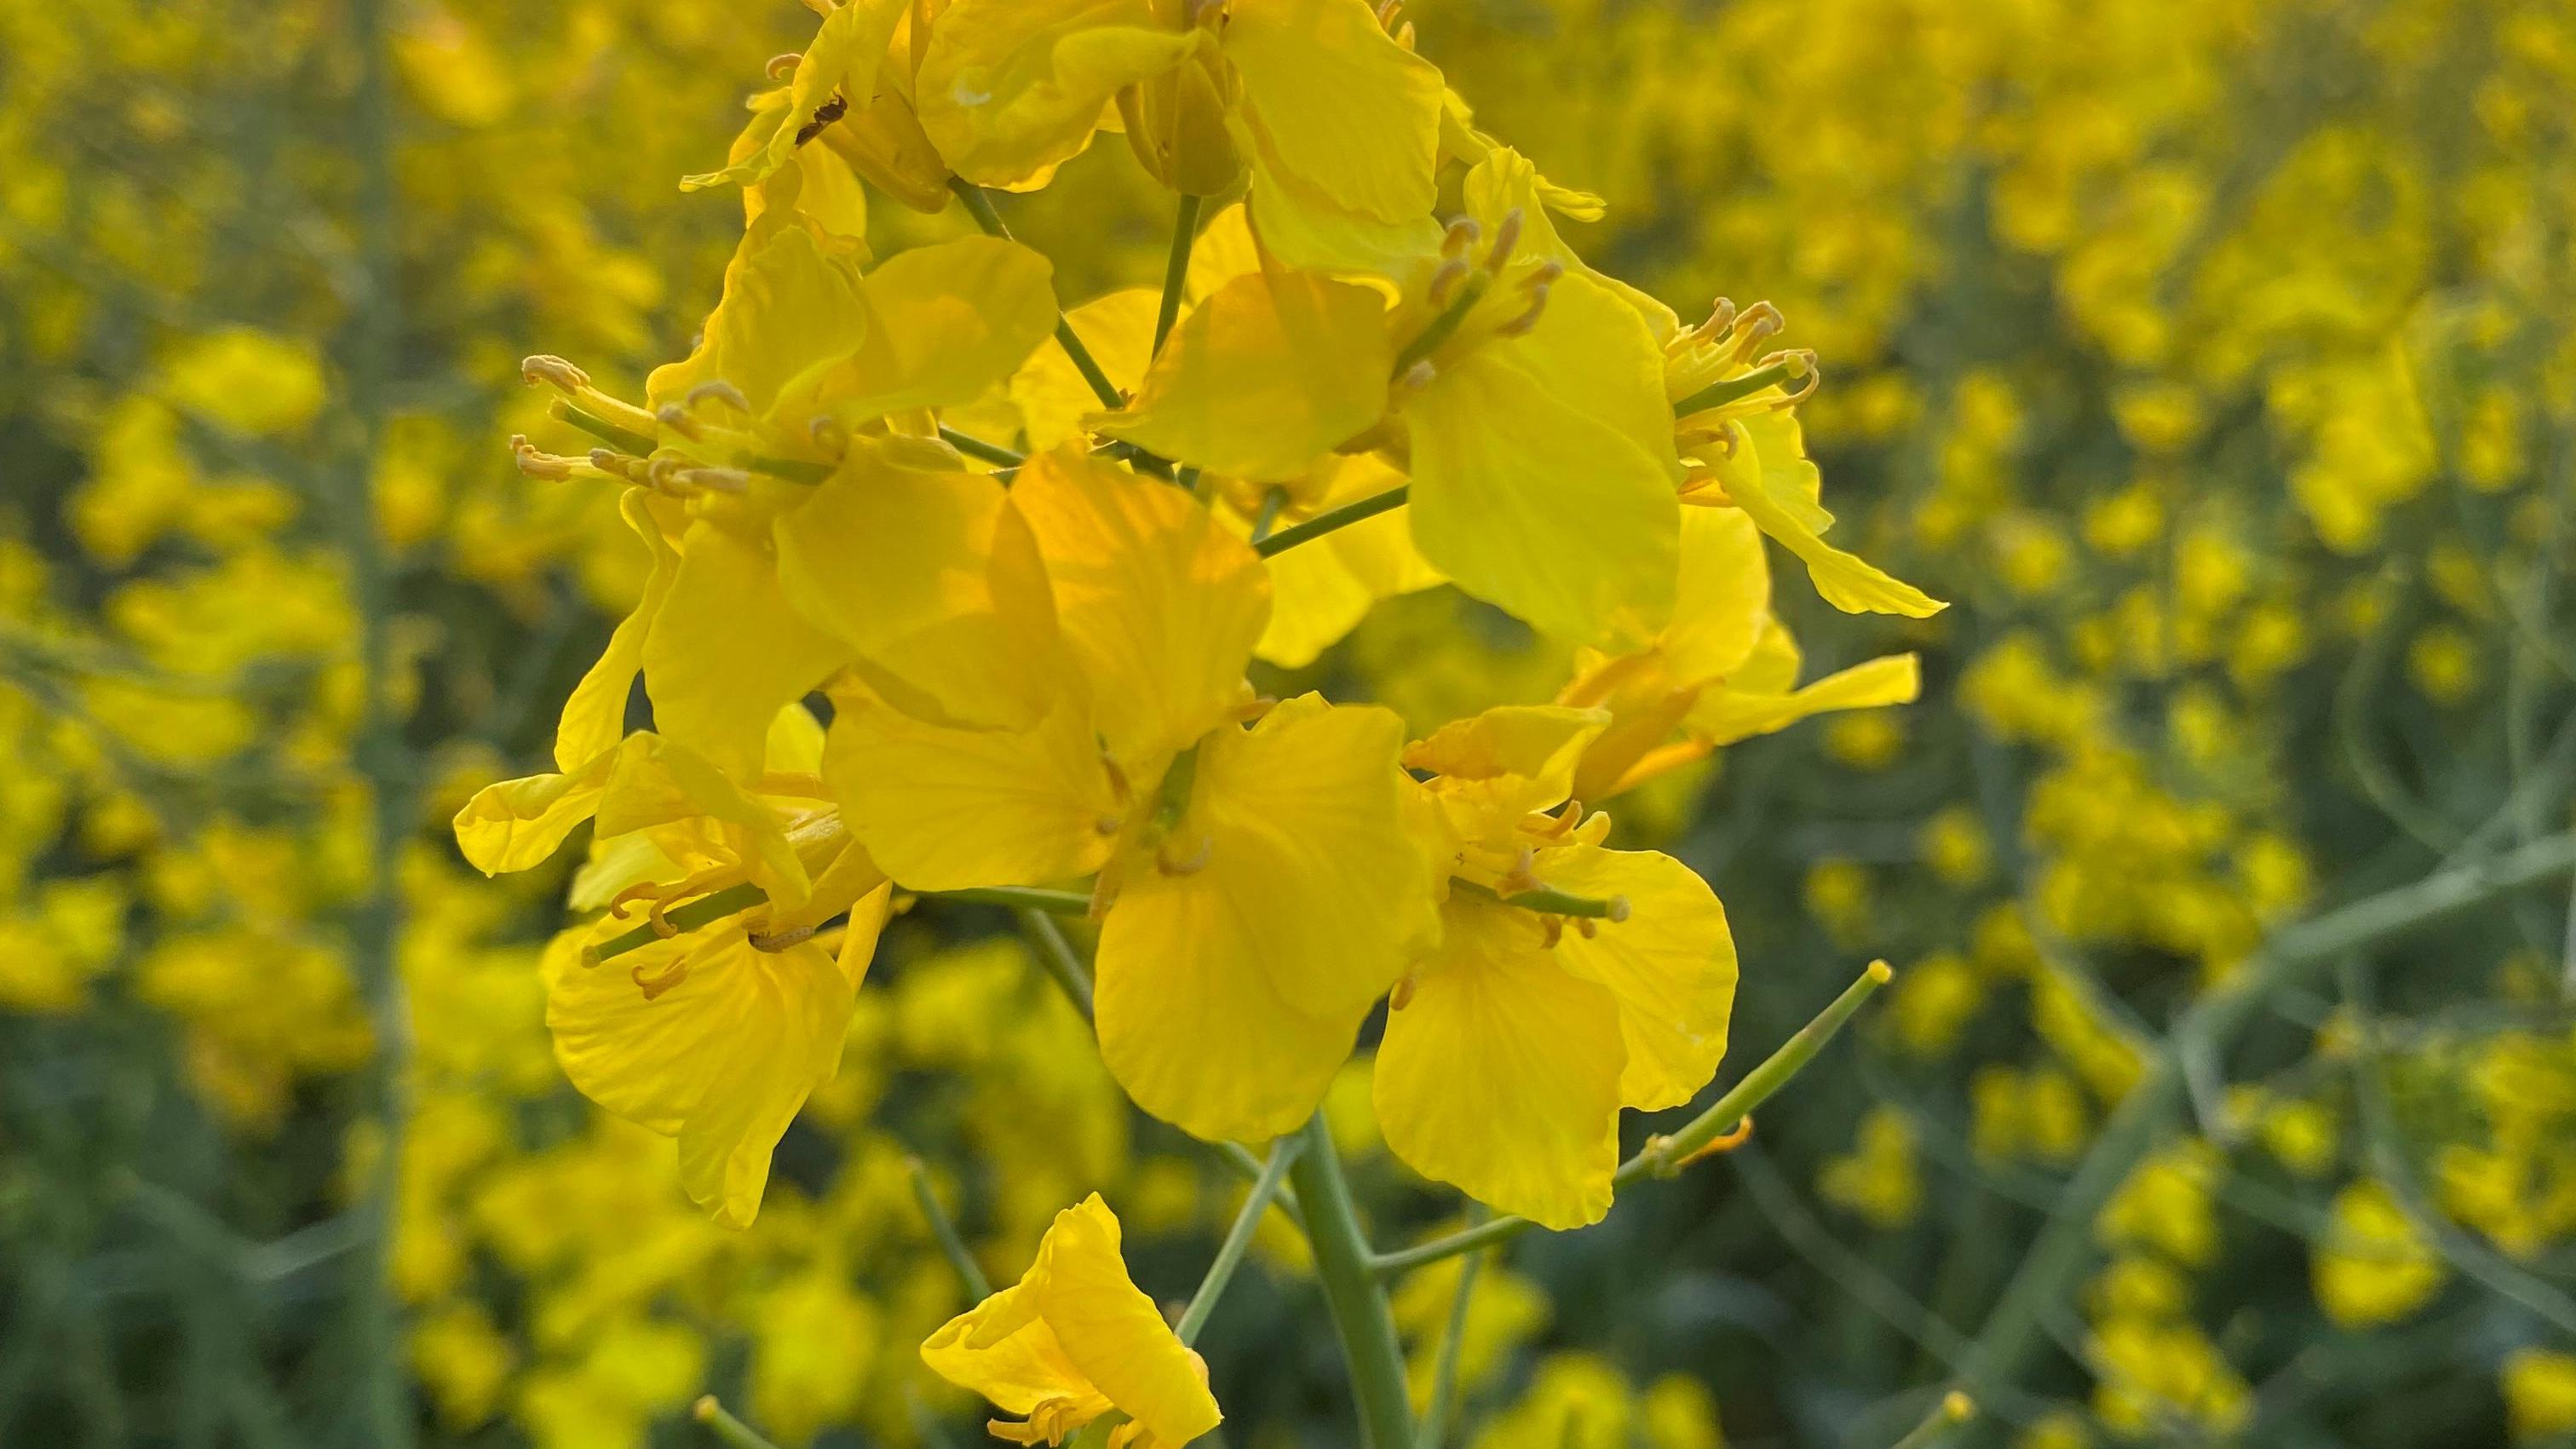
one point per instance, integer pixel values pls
(718, 390)
(1417, 377)
(1460, 238)
(677, 419)
(547, 368)
(733, 481)
(1402, 996)
(537, 463)
(1507, 235)
(780, 67)
(780, 941)
(829, 435)
(1445, 280)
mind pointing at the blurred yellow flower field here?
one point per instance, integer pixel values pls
(1201, 720)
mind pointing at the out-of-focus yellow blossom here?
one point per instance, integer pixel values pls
(2374, 1265)
(1074, 1340)
(1506, 1312)
(2539, 1393)
(1933, 1002)
(1879, 1178)
(2168, 1204)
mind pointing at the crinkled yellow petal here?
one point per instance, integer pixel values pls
(1229, 993)
(1263, 378)
(946, 809)
(726, 650)
(1847, 581)
(786, 307)
(1017, 1369)
(1338, 103)
(1670, 965)
(1500, 1075)
(843, 60)
(1009, 89)
(594, 716)
(1112, 1331)
(1543, 474)
(946, 322)
(1492, 770)
(932, 579)
(1049, 391)
(514, 824)
(657, 782)
(1159, 606)
(723, 1056)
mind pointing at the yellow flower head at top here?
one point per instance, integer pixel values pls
(715, 1033)
(1335, 122)
(1074, 1340)
(1257, 889)
(1571, 981)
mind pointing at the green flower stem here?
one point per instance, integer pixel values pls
(1551, 903)
(601, 428)
(979, 205)
(1329, 522)
(975, 447)
(2064, 1250)
(1238, 1239)
(1176, 272)
(733, 1433)
(1361, 1318)
(1063, 903)
(708, 909)
(1665, 1156)
(1272, 500)
(1056, 956)
(943, 1228)
(1444, 1377)
(1954, 1409)
(1727, 390)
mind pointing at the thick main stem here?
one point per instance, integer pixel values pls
(1361, 1317)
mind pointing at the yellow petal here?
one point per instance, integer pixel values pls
(1494, 769)
(932, 579)
(1670, 965)
(786, 307)
(1500, 1075)
(1338, 103)
(726, 651)
(947, 809)
(1263, 378)
(594, 716)
(1112, 1331)
(1724, 595)
(1049, 391)
(1009, 89)
(1757, 483)
(1300, 225)
(1724, 716)
(515, 824)
(722, 1057)
(1543, 478)
(1230, 993)
(946, 322)
(1001, 1348)
(655, 782)
(1157, 603)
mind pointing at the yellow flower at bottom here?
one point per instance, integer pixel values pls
(1073, 1340)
